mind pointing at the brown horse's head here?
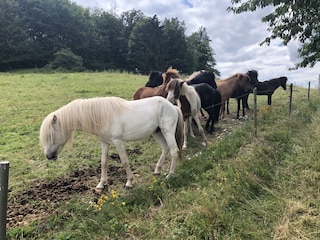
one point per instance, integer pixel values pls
(170, 73)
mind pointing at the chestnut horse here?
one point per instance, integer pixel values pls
(145, 92)
(231, 86)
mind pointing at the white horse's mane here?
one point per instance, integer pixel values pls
(83, 114)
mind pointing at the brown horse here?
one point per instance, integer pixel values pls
(145, 92)
(230, 86)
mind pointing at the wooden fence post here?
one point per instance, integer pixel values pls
(4, 176)
(255, 110)
(308, 91)
(290, 101)
(319, 84)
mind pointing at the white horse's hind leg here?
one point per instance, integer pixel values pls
(104, 166)
(190, 127)
(174, 150)
(197, 120)
(125, 162)
(185, 132)
(162, 142)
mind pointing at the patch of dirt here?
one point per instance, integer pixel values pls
(42, 198)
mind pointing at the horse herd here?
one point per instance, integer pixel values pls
(163, 108)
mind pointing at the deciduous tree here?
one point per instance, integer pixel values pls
(290, 20)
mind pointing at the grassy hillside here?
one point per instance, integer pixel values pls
(239, 187)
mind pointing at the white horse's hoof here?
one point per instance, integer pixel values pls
(127, 187)
(98, 190)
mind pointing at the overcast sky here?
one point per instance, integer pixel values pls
(234, 38)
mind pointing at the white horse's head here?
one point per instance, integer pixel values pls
(52, 136)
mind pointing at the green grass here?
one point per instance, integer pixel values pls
(239, 187)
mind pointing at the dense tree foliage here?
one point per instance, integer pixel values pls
(38, 33)
(290, 20)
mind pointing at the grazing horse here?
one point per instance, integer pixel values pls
(155, 79)
(233, 85)
(144, 92)
(114, 121)
(202, 76)
(178, 88)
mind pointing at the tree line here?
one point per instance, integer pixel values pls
(59, 34)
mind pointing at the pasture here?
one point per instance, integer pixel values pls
(238, 187)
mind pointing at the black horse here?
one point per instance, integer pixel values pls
(263, 88)
(268, 87)
(155, 79)
(202, 77)
(210, 102)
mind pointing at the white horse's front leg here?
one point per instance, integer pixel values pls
(125, 162)
(104, 166)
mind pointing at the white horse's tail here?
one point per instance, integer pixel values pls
(180, 132)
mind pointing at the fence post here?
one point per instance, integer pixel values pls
(290, 101)
(255, 110)
(4, 176)
(308, 91)
(319, 84)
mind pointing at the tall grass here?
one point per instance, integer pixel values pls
(239, 187)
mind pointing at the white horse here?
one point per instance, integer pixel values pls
(177, 88)
(114, 120)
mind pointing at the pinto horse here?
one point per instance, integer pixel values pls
(144, 92)
(114, 121)
(231, 87)
(200, 96)
(210, 99)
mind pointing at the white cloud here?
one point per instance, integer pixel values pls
(235, 38)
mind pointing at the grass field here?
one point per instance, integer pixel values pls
(239, 187)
